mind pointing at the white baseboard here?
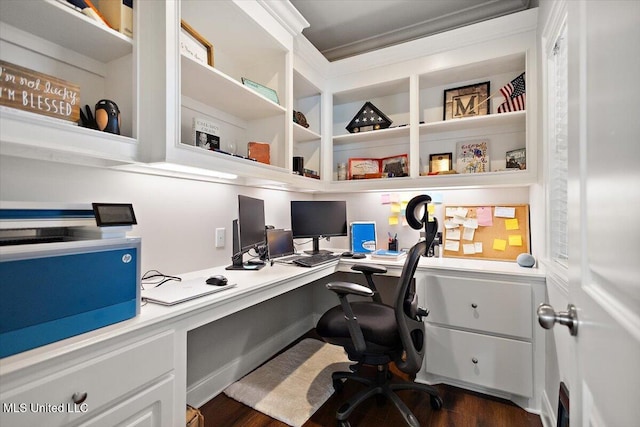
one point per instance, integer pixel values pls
(209, 387)
(547, 414)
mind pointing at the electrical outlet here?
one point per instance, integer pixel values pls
(220, 237)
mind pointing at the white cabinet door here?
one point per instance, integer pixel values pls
(151, 408)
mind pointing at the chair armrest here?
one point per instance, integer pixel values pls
(344, 288)
(369, 268)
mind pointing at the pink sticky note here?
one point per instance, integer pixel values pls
(484, 216)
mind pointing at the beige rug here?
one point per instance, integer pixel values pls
(294, 384)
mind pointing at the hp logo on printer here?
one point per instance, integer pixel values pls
(126, 258)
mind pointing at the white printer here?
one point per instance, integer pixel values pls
(65, 269)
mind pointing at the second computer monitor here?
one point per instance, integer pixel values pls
(318, 218)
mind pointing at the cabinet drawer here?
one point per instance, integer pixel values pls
(492, 306)
(49, 401)
(493, 362)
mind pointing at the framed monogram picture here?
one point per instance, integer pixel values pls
(467, 101)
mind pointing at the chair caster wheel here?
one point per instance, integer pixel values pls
(436, 403)
(344, 423)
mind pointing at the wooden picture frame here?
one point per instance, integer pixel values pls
(441, 162)
(194, 45)
(467, 101)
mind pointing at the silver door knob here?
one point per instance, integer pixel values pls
(547, 317)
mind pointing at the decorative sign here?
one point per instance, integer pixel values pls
(39, 93)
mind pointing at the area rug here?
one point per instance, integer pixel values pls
(294, 384)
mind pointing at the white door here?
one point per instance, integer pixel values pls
(604, 210)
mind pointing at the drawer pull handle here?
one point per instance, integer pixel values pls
(474, 360)
(474, 305)
(78, 398)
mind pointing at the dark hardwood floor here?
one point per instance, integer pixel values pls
(461, 408)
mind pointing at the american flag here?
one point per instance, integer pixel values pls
(514, 95)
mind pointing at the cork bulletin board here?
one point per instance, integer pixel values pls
(491, 232)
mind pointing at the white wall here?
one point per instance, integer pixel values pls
(176, 217)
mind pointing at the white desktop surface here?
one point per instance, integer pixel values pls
(253, 287)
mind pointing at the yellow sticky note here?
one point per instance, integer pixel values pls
(515, 240)
(393, 220)
(395, 207)
(499, 244)
(511, 224)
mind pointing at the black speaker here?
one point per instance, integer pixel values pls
(298, 165)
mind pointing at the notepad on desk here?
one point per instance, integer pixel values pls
(387, 254)
(172, 293)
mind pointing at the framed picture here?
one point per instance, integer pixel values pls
(268, 93)
(360, 168)
(466, 101)
(516, 159)
(440, 162)
(192, 44)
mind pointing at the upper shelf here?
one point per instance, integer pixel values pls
(214, 88)
(66, 27)
(476, 122)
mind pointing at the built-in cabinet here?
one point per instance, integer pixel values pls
(129, 383)
(482, 334)
(160, 91)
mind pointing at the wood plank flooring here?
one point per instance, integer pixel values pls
(461, 408)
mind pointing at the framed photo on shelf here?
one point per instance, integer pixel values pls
(361, 168)
(517, 159)
(195, 45)
(441, 162)
(466, 101)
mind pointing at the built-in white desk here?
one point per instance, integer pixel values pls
(136, 370)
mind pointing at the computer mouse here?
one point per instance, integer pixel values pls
(217, 280)
(359, 256)
(347, 254)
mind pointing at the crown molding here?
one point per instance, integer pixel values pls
(286, 14)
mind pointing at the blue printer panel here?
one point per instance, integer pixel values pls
(46, 299)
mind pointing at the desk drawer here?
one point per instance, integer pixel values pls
(48, 401)
(492, 362)
(498, 307)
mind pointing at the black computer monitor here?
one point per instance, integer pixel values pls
(248, 231)
(318, 218)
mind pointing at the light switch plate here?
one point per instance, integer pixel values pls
(220, 236)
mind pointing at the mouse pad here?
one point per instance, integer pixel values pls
(172, 293)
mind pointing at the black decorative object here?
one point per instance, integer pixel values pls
(108, 116)
(368, 118)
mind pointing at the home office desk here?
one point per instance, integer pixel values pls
(135, 372)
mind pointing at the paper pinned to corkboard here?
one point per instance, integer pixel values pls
(491, 232)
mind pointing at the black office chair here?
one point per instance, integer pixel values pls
(375, 334)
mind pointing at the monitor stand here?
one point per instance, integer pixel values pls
(237, 264)
(316, 248)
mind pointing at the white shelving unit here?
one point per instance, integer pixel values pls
(50, 38)
(411, 93)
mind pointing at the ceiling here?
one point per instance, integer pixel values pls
(343, 28)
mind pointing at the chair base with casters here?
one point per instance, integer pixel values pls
(375, 334)
(381, 387)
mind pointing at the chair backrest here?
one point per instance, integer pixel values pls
(410, 325)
